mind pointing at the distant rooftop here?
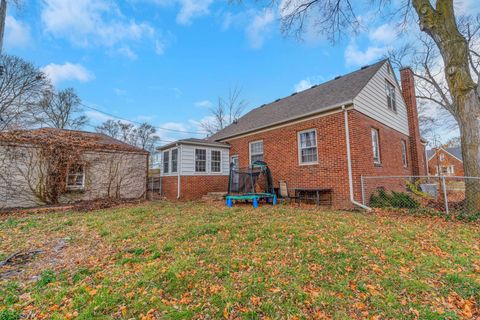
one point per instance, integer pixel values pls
(83, 139)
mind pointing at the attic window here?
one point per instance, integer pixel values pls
(391, 100)
(442, 156)
(76, 177)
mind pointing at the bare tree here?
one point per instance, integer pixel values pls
(227, 110)
(438, 20)
(60, 110)
(146, 137)
(143, 136)
(21, 88)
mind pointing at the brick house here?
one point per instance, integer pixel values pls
(445, 162)
(102, 167)
(326, 136)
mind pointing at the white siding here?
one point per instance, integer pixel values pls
(186, 163)
(372, 101)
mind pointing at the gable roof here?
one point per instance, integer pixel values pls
(454, 151)
(83, 139)
(334, 93)
(195, 141)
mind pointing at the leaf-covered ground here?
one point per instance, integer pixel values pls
(165, 260)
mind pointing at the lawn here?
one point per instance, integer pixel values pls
(192, 260)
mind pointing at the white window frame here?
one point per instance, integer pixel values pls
(250, 154)
(391, 96)
(171, 161)
(377, 159)
(404, 153)
(195, 160)
(299, 147)
(219, 161)
(441, 157)
(167, 163)
(76, 187)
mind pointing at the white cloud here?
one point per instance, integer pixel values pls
(204, 104)
(467, 7)
(119, 92)
(17, 33)
(191, 9)
(303, 85)
(85, 22)
(385, 33)
(127, 52)
(356, 57)
(159, 47)
(258, 29)
(97, 117)
(67, 71)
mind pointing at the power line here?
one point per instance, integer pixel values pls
(139, 123)
(162, 140)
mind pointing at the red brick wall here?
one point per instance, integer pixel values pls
(193, 187)
(417, 149)
(449, 160)
(390, 154)
(281, 153)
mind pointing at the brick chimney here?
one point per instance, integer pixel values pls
(417, 148)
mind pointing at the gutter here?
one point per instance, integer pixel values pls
(179, 168)
(349, 161)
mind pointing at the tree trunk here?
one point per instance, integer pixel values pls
(470, 139)
(441, 25)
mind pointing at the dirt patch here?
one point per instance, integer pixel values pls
(57, 255)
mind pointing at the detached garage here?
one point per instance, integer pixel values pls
(191, 168)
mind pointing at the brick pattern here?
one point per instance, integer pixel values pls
(193, 187)
(448, 160)
(281, 154)
(417, 149)
(390, 152)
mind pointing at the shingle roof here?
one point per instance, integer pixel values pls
(455, 151)
(195, 141)
(341, 90)
(82, 139)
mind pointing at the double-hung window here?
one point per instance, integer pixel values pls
(166, 161)
(404, 153)
(76, 177)
(307, 146)
(215, 161)
(174, 160)
(200, 160)
(376, 146)
(391, 100)
(256, 151)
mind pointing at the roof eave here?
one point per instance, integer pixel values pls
(205, 144)
(306, 115)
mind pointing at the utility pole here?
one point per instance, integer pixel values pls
(3, 14)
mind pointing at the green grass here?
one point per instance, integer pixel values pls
(186, 260)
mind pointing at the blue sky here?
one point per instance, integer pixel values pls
(167, 61)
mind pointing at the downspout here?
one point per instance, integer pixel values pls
(349, 161)
(179, 168)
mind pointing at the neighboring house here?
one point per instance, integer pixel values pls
(325, 137)
(34, 169)
(445, 162)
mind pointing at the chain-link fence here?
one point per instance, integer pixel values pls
(447, 194)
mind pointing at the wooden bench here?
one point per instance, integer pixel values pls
(321, 196)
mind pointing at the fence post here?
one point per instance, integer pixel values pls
(445, 196)
(362, 185)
